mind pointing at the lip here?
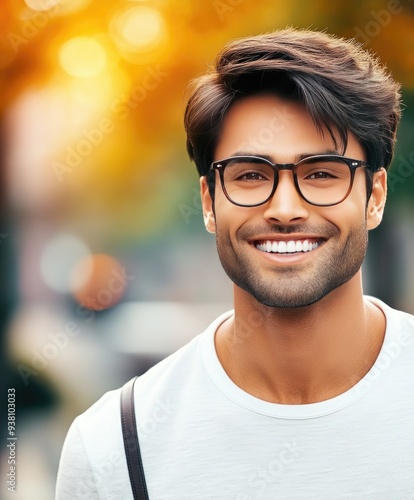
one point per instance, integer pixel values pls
(287, 237)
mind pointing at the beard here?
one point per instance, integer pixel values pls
(298, 285)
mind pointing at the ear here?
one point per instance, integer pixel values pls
(207, 204)
(376, 203)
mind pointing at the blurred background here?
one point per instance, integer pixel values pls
(105, 266)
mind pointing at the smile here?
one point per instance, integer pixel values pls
(296, 246)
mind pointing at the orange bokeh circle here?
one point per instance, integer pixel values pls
(98, 281)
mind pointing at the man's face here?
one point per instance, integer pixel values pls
(336, 236)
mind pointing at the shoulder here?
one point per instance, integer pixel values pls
(93, 450)
(156, 387)
(106, 410)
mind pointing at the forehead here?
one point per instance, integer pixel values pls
(278, 127)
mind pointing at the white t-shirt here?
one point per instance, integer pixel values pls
(202, 437)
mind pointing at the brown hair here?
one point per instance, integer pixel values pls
(344, 88)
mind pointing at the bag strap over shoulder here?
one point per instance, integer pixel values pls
(131, 443)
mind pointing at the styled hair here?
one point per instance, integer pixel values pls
(344, 88)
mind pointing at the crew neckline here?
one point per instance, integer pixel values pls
(300, 411)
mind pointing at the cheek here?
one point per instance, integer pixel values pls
(228, 220)
(352, 212)
(231, 218)
(348, 216)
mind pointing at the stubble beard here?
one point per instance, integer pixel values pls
(289, 287)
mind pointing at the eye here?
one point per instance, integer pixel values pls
(252, 176)
(325, 169)
(248, 172)
(320, 175)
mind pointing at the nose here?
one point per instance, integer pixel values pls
(286, 205)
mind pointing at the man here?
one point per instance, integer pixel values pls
(306, 390)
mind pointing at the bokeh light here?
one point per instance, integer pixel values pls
(83, 57)
(98, 281)
(59, 257)
(56, 6)
(142, 28)
(138, 32)
(41, 5)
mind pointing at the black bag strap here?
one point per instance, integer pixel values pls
(131, 443)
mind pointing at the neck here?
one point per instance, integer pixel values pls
(301, 355)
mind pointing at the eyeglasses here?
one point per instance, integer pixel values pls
(321, 180)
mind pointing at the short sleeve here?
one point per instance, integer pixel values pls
(75, 479)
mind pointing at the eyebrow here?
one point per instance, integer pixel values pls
(296, 159)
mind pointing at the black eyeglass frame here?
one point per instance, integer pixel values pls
(220, 165)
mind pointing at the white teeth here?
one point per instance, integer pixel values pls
(282, 247)
(291, 247)
(287, 247)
